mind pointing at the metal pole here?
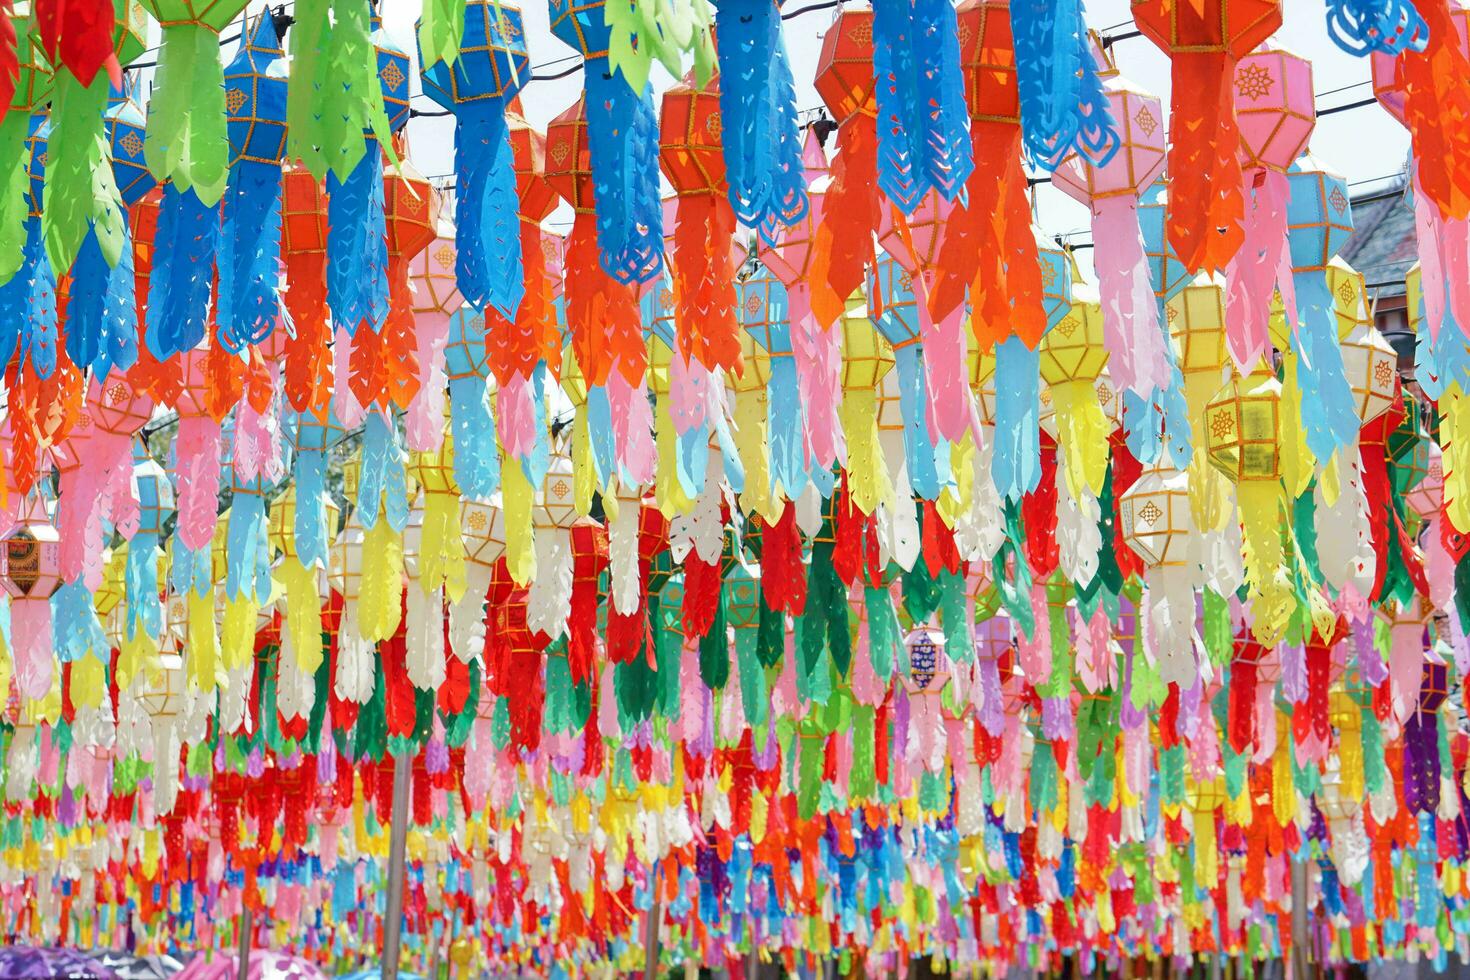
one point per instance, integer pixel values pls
(650, 959)
(1300, 960)
(397, 838)
(247, 926)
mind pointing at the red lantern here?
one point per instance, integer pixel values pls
(845, 238)
(1204, 39)
(304, 248)
(693, 159)
(988, 243)
(385, 367)
(602, 314)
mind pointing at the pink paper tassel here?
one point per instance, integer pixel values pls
(425, 419)
(689, 384)
(31, 647)
(198, 451)
(632, 428)
(946, 367)
(818, 353)
(1253, 272)
(515, 410)
(1131, 334)
(344, 403)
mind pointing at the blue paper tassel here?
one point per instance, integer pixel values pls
(77, 630)
(919, 451)
(487, 225)
(1328, 412)
(28, 307)
(784, 433)
(310, 522)
(357, 245)
(1361, 27)
(184, 250)
(140, 584)
(1063, 104)
(538, 460)
(101, 312)
(476, 457)
(247, 551)
(622, 144)
(923, 121)
(249, 299)
(761, 139)
(1016, 465)
(600, 434)
(383, 486)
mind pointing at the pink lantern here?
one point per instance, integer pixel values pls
(1132, 335)
(96, 465)
(1276, 109)
(30, 571)
(817, 349)
(914, 243)
(435, 299)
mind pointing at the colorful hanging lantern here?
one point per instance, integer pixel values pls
(491, 68)
(1158, 524)
(602, 313)
(690, 135)
(1073, 356)
(1321, 219)
(1136, 346)
(1276, 110)
(1243, 435)
(621, 134)
(1066, 107)
(30, 574)
(308, 369)
(1204, 41)
(843, 245)
(435, 299)
(249, 300)
(758, 130)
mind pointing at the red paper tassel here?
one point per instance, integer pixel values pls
(850, 216)
(783, 578)
(704, 283)
(701, 595)
(78, 34)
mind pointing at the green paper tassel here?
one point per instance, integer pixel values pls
(441, 26)
(714, 651)
(753, 696)
(80, 192)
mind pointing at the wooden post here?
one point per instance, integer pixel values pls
(397, 840)
(247, 926)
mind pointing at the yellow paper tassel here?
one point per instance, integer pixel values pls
(201, 654)
(1272, 600)
(379, 606)
(584, 467)
(867, 474)
(516, 499)
(1082, 435)
(1454, 428)
(955, 499)
(668, 492)
(237, 635)
(750, 445)
(1297, 462)
(441, 547)
(135, 657)
(1206, 853)
(88, 682)
(303, 612)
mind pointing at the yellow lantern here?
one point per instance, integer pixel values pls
(1243, 436)
(1072, 358)
(1196, 316)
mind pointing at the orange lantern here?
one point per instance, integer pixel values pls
(693, 159)
(1204, 39)
(304, 248)
(602, 314)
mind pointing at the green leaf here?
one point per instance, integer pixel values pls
(441, 26)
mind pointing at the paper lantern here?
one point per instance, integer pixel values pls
(1135, 344)
(30, 573)
(1072, 357)
(1204, 42)
(1243, 436)
(125, 134)
(1158, 524)
(476, 87)
(1371, 368)
(692, 157)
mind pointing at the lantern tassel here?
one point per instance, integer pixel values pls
(31, 645)
(919, 448)
(28, 308)
(1135, 344)
(1016, 464)
(1206, 205)
(249, 301)
(187, 138)
(817, 354)
(1328, 411)
(101, 311)
(179, 285)
(1063, 104)
(1251, 274)
(80, 191)
(476, 457)
(622, 143)
(850, 215)
(1273, 600)
(487, 263)
(357, 246)
(762, 145)
(15, 187)
(704, 283)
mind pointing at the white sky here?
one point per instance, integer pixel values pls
(1363, 144)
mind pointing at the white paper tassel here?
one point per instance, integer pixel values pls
(980, 529)
(355, 676)
(549, 598)
(1170, 640)
(424, 638)
(21, 765)
(1344, 530)
(1078, 540)
(467, 615)
(622, 556)
(165, 766)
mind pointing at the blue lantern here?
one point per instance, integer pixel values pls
(491, 68)
(622, 142)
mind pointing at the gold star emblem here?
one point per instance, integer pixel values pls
(559, 489)
(560, 152)
(1347, 292)
(1383, 374)
(117, 393)
(1067, 327)
(754, 304)
(476, 520)
(861, 33)
(1150, 513)
(1253, 81)
(1222, 425)
(234, 99)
